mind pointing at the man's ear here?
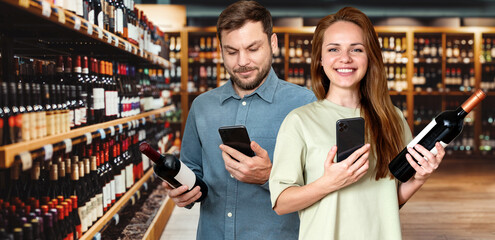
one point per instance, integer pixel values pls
(274, 43)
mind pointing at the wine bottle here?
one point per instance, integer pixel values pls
(444, 128)
(173, 171)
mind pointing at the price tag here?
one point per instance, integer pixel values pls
(144, 120)
(77, 23)
(26, 160)
(135, 50)
(116, 218)
(89, 138)
(145, 186)
(100, 33)
(136, 123)
(90, 28)
(116, 42)
(102, 133)
(48, 151)
(109, 38)
(24, 3)
(68, 145)
(112, 131)
(46, 8)
(129, 125)
(97, 236)
(127, 46)
(61, 15)
(121, 128)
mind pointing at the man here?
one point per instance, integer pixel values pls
(238, 202)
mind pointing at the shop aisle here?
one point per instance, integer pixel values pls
(182, 224)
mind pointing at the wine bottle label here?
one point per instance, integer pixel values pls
(50, 123)
(82, 216)
(71, 117)
(91, 16)
(122, 185)
(83, 116)
(118, 183)
(35, 125)
(129, 176)
(100, 20)
(107, 200)
(422, 134)
(112, 190)
(77, 116)
(98, 98)
(108, 103)
(99, 205)
(186, 176)
(26, 126)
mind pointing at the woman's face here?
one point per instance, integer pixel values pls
(343, 56)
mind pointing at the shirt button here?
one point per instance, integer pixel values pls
(243, 103)
(229, 214)
(231, 176)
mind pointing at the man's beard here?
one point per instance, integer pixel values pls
(250, 85)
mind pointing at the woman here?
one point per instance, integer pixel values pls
(356, 198)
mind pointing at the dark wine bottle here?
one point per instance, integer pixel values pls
(173, 171)
(444, 128)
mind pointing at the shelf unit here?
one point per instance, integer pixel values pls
(39, 30)
(11, 152)
(404, 98)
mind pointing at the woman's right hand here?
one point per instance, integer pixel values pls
(341, 174)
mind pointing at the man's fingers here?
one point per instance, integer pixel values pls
(233, 153)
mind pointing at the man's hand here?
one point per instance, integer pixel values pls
(255, 170)
(179, 195)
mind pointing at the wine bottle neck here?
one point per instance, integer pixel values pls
(461, 113)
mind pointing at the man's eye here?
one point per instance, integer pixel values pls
(253, 49)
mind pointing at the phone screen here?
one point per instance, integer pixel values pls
(350, 136)
(237, 137)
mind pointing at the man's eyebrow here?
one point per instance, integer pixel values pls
(250, 45)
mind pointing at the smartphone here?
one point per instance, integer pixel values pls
(237, 137)
(350, 136)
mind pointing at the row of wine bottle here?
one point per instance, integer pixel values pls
(120, 17)
(62, 197)
(43, 98)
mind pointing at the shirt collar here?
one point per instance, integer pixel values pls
(266, 91)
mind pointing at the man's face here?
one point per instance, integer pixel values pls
(247, 54)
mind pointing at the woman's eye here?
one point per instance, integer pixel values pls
(332, 50)
(358, 50)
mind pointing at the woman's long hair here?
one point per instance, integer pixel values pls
(382, 122)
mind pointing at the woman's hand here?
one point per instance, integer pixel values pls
(341, 174)
(428, 163)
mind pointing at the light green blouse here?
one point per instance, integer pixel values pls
(367, 209)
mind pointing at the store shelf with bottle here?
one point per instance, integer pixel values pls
(58, 67)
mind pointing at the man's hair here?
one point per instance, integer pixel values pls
(241, 12)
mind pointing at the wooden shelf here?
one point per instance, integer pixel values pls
(116, 207)
(8, 152)
(38, 25)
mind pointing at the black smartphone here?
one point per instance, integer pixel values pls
(350, 136)
(237, 137)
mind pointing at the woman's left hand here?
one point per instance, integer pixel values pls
(428, 163)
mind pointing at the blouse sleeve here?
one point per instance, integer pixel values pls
(288, 157)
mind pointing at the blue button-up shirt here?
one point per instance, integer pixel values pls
(233, 209)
